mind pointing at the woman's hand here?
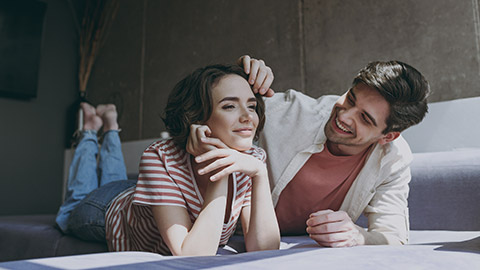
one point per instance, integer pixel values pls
(228, 161)
(261, 76)
(199, 140)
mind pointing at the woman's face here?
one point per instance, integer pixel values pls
(234, 119)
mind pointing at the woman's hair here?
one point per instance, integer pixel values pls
(190, 101)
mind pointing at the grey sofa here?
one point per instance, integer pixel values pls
(444, 194)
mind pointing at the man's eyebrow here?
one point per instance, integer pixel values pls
(371, 118)
(365, 112)
(353, 94)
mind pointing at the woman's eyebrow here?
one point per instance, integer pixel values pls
(236, 99)
(229, 99)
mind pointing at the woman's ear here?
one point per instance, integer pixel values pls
(390, 136)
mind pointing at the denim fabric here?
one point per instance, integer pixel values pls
(87, 220)
(83, 175)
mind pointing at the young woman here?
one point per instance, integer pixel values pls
(182, 205)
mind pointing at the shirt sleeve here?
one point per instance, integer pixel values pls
(155, 186)
(258, 153)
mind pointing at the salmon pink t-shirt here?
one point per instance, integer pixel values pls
(322, 183)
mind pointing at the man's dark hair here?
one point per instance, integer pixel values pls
(190, 101)
(403, 87)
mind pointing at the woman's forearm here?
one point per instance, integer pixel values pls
(263, 232)
(204, 236)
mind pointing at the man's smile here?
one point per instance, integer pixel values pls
(342, 127)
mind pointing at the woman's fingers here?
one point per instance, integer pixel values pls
(216, 153)
(214, 142)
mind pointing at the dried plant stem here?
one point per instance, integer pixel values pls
(96, 22)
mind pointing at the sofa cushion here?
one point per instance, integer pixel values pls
(36, 236)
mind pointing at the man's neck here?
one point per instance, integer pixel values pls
(345, 150)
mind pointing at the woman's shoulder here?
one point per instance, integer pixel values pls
(166, 146)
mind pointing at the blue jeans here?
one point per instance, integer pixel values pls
(91, 188)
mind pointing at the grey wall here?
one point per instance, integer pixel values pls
(154, 44)
(315, 46)
(32, 136)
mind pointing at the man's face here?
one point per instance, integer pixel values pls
(357, 121)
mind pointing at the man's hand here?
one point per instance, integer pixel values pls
(199, 140)
(261, 76)
(333, 229)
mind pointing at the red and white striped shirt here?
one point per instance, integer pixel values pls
(166, 178)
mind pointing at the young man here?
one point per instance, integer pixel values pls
(333, 158)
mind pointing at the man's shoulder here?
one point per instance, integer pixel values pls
(292, 95)
(292, 98)
(397, 151)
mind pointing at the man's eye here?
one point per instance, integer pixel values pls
(365, 119)
(350, 101)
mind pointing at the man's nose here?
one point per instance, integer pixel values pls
(347, 116)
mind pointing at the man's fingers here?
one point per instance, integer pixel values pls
(342, 239)
(322, 241)
(246, 63)
(270, 92)
(259, 81)
(326, 216)
(331, 237)
(267, 82)
(330, 227)
(254, 68)
(321, 212)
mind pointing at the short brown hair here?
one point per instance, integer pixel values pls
(190, 101)
(403, 87)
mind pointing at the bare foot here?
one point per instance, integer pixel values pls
(108, 113)
(91, 121)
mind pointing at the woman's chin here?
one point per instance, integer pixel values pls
(241, 146)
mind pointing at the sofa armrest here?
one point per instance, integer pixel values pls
(444, 191)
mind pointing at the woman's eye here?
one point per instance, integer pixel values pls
(252, 107)
(228, 107)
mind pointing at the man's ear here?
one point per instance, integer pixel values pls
(390, 136)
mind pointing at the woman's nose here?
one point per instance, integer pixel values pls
(246, 115)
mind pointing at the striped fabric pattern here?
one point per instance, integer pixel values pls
(166, 178)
